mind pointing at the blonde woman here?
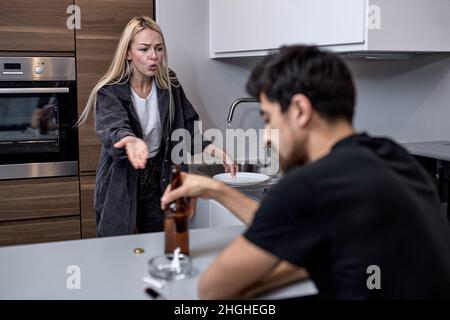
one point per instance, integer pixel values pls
(138, 104)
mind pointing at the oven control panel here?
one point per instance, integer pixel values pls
(37, 68)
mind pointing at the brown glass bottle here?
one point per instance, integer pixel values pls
(176, 221)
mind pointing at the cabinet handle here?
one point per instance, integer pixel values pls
(34, 90)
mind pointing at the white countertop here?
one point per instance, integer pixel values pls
(109, 269)
(431, 149)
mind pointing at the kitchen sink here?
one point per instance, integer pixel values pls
(212, 169)
(256, 191)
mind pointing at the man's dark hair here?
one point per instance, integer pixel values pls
(320, 75)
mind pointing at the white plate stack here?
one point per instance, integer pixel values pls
(242, 178)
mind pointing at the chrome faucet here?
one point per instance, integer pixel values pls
(234, 105)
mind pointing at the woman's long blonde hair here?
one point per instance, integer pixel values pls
(120, 69)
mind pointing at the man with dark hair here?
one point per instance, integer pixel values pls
(348, 204)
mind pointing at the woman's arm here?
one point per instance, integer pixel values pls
(191, 123)
(112, 123)
(228, 163)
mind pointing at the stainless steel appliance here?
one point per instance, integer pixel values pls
(38, 111)
(434, 156)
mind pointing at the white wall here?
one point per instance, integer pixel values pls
(406, 100)
(210, 85)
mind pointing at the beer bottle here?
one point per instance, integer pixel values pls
(176, 220)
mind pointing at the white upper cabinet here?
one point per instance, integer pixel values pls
(322, 22)
(234, 25)
(256, 27)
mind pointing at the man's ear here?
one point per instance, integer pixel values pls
(301, 109)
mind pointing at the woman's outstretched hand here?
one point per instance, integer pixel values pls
(137, 151)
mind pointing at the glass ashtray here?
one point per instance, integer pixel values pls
(163, 267)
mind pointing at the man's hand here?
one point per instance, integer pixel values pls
(195, 186)
(191, 186)
(137, 151)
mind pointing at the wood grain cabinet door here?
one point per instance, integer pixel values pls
(39, 230)
(88, 224)
(39, 210)
(35, 25)
(39, 198)
(102, 23)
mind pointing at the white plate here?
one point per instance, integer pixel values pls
(242, 178)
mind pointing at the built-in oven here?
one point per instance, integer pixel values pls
(38, 111)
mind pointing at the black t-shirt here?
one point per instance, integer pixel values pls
(367, 203)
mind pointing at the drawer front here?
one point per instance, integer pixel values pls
(39, 198)
(39, 230)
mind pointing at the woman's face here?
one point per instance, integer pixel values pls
(146, 53)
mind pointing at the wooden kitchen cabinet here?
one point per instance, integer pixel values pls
(102, 24)
(93, 59)
(88, 225)
(35, 25)
(39, 198)
(39, 210)
(39, 230)
(36, 210)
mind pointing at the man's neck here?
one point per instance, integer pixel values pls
(321, 141)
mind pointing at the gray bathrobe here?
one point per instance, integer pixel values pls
(115, 198)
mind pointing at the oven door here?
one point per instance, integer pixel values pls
(37, 133)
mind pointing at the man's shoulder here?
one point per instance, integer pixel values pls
(296, 184)
(295, 174)
(368, 145)
(318, 169)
